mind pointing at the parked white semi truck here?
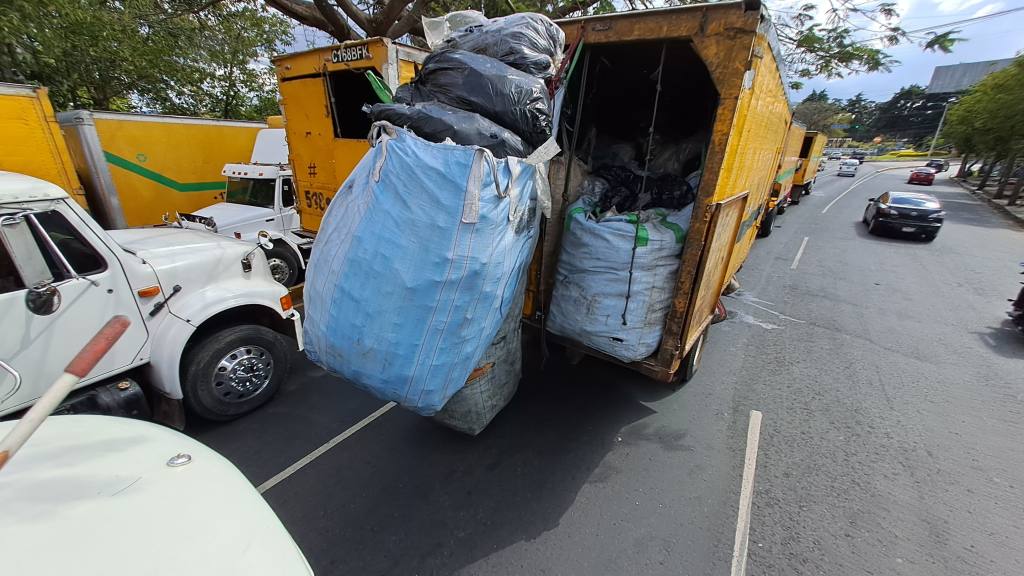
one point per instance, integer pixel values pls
(209, 325)
(260, 197)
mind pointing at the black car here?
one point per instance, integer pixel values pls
(858, 156)
(938, 164)
(905, 213)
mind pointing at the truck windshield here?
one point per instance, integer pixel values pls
(250, 192)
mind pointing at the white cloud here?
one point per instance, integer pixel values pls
(988, 9)
(947, 6)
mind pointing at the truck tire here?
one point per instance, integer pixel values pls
(765, 229)
(691, 362)
(283, 263)
(233, 371)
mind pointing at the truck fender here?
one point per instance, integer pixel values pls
(190, 321)
(277, 237)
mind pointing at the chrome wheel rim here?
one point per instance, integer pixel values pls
(279, 269)
(243, 373)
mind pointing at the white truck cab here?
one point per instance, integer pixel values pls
(259, 196)
(209, 325)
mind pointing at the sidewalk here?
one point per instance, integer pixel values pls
(1015, 212)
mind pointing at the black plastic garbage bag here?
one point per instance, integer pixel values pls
(434, 121)
(659, 191)
(481, 84)
(526, 41)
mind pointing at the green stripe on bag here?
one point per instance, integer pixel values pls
(573, 212)
(676, 229)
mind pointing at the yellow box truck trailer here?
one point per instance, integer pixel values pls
(789, 163)
(33, 143)
(705, 75)
(138, 167)
(811, 155)
(322, 95)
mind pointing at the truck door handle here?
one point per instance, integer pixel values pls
(17, 380)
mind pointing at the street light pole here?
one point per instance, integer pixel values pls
(939, 129)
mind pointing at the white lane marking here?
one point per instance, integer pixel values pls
(744, 317)
(739, 550)
(280, 476)
(799, 253)
(854, 185)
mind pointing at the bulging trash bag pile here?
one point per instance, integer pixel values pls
(616, 272)
(418, 261)
(416, 279)
(490, 68)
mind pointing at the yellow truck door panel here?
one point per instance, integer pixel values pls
(713, 271)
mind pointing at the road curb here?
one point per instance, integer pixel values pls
(1006, 212)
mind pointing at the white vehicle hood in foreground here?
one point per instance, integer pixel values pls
(229, 216)
(165, 242)
(94, 495)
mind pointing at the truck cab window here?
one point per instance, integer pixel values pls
(250, 192)
(287, 194)
(347, 91)
(10, 281)
(84, 260)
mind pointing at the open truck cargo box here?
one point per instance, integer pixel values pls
(708, 73)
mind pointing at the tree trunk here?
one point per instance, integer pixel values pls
(962, 170)
(987, 174)
(1015, 195)
(1007, 170)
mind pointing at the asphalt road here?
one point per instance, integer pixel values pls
(891, 391)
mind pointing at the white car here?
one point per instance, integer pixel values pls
(848, 167)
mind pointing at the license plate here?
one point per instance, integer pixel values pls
(908, 229)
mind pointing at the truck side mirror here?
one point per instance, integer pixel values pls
(263, 238)
(42, 297)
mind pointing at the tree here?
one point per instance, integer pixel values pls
(848, 38)
(911, 114)
(816, 115)
(194, 57)
(817, 96)
(989, 120)
(862, 113)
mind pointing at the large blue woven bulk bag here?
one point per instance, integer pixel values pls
(416, 264)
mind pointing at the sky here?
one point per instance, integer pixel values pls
(992, 39)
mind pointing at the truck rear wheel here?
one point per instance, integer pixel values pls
(691, 362)
(283, 263)
(234, 371)
(765, 230)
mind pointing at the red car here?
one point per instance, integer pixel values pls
(922, 176)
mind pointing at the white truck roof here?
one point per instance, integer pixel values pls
(270, 147)
(16, 187)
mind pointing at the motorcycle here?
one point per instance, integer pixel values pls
(1016, 312)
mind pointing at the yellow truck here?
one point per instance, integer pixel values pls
(789, 164)
(322, 95)
(719, 83)
(33, 143)
(811, 154)
(138, 167)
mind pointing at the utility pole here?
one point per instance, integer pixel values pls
(939, 129)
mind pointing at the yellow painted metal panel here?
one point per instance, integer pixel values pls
(32, 142)
(751, 160)
(790, 161)
(809, 169)
(320, 161)
(167, 164)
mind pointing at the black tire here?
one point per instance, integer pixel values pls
(780, 208)
(807, 188)
(794, 197)
(864, 218)
(284, 264)
(691, 362)
(767, 220)
(873, 226)
(255, 347)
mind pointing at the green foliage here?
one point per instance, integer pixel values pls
(849, 37)
(989, 119)
(817, 115)
(911, 114)
(192, 57)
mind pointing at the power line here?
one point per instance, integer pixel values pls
(948, 24)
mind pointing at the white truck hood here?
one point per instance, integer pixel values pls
(81, 483)
(162, 243)
(230, 216)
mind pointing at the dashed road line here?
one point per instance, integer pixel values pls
(799, 253)
(282, 475)
(742, 543)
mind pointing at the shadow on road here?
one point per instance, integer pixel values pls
(1004, 339)
(405, 496)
